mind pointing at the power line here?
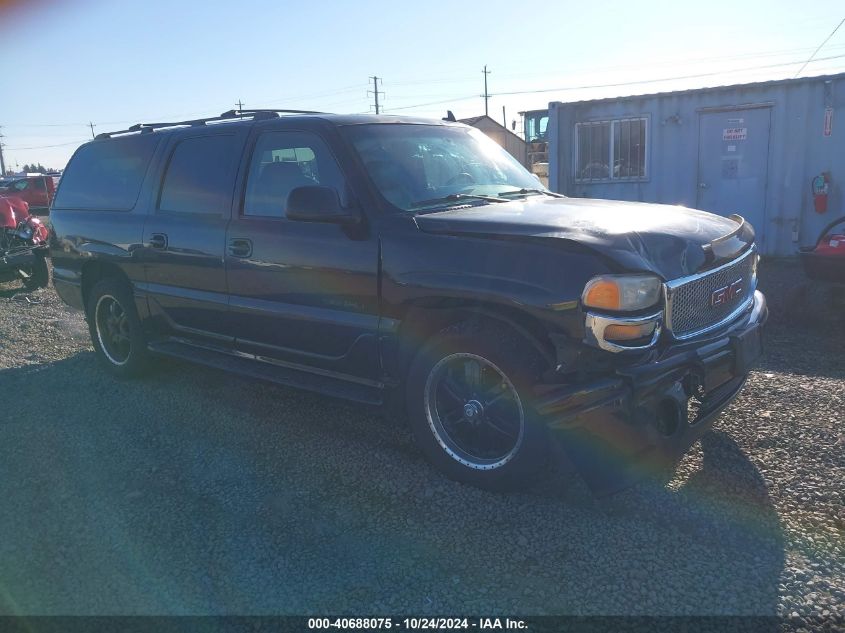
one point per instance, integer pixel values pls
(674, 61)
(323, 93)
(651, 81)
(420, 105)
(832, 33)
(47, 146)
(440, 79)
(612, 85)
(183, 114)
(487, 95)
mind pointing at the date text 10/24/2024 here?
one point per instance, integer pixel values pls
(417, 624)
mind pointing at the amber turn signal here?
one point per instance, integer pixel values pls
(629, 332)
(602, 293)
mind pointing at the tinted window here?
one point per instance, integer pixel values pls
(283, 161)
(40, 185)
(415, 166)
(199, 176)
(106, 174)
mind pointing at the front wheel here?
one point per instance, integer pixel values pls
(38, 276)
(116, 329)
(470, 405)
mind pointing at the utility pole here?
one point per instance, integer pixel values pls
(2, 162)
(486, 94)
(375, 92)
(91, 125)
(504, 118)
(240, 105)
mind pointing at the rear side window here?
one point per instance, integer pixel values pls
(106, 174)
(199, 177)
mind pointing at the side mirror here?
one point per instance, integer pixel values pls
(318, 204)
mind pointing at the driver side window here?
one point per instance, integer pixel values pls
(283, 161)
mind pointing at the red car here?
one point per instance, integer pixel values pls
(23, 245)
(36, 190)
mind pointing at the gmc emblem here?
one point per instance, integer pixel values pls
(726, 294)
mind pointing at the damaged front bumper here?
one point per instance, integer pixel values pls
(619, 428)
(19, 259)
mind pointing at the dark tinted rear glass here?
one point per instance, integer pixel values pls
(199, 176)
(106, 174)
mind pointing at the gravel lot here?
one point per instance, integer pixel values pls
(195, 492)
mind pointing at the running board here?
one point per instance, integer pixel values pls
(270, 372)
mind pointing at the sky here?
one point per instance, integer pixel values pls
(114, 63)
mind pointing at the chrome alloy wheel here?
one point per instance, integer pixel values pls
(474, 411)
(112, 325)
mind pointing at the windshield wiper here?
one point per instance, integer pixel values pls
(525, 192)
(454, 197)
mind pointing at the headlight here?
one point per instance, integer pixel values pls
(622, 293)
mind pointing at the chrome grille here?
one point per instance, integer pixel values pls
(690, 309)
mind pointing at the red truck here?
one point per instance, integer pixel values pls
(37, 190)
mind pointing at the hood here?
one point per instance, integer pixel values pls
(671, 241)
(12, 211)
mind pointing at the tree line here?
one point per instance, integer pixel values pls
(36, 169)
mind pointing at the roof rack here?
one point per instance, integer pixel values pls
(226, 116)
(237, 113)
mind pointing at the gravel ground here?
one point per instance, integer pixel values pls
(195, 492)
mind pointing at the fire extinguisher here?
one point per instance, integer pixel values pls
(820, 186)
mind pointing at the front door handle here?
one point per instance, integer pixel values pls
(240, 247)
(158, 241)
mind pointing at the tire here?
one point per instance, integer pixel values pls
(39, 276)
(469, 400)
(116, 329)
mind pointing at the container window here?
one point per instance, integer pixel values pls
(611, 150)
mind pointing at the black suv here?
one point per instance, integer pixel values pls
(413, 263)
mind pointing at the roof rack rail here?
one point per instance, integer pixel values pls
(226, 116)
(235, 113)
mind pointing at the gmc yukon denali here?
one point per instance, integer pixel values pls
(413, 264)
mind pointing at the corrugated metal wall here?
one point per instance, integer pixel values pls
(514, 145)
(677, 160)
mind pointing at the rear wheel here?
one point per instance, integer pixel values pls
(116, 329)
(470, 405)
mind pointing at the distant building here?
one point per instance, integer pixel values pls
(752, 149)
(514, 145)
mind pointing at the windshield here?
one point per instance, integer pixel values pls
(424, 166)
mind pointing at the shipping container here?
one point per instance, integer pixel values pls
(752, 149)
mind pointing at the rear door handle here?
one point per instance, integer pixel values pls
(240, 247)
(158, 240)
